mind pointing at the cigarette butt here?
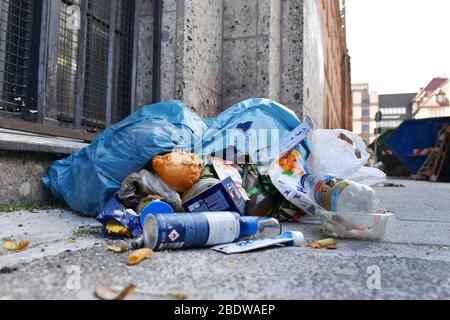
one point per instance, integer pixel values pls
(121, 249)
(138, 256)
(325, 243)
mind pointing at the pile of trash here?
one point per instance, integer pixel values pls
(170, 179)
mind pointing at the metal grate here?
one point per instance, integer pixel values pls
(124, 60)
(96, 77)
(16, 20)
(84, 82)
(96, 56)
(67, 65)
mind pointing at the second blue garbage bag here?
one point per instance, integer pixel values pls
(88, 179)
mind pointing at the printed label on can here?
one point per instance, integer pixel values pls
(223, 228)
(328, 190)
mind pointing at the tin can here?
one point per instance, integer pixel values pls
(191, 230)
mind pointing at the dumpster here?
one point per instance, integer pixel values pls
(413, 141)
(393, 166)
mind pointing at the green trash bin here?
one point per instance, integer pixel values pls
(393, 166)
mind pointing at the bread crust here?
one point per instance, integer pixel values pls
(179, 170)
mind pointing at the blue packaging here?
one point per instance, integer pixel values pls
(114, 210)
(224, 196)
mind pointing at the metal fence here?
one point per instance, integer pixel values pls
(15, 55)
(67, 64)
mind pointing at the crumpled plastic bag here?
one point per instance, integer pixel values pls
(286, 174)
(332, 155)
(89, 178)
(137, 186)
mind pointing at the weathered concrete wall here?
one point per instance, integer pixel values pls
(216, 53)
(145, 53)
(292, 55)
(191, 53)
(302, 59)
(251, 48)
(20, 177)
(169, 35)
(199, 52)
(313, 64)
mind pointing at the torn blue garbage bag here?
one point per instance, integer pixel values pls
(89, 178)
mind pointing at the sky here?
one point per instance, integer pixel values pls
(398, 46)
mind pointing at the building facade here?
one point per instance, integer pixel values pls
(395, 108)
(74, 67)
(365, 108)
(433, 100)
(337, 82)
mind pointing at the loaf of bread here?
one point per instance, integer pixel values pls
(179, 170)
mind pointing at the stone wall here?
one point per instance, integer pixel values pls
(21, 177)
(199, 50)
(145, 53)
(313, 64)
(292, 55)
(250, 58)
(216, 53)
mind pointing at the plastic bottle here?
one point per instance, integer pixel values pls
(340, 195)
(205, 229)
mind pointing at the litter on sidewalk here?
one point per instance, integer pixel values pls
(172, 180)
(288, 239)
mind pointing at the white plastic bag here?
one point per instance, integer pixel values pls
(332, 155)
(369, 176)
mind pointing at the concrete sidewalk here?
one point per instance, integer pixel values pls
(413, 260)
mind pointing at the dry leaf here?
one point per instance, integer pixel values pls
(326, 243)
(138, 256)
(105, 293)
(13, 246)
(231, 265)
(121, 249)
(178, 295)
(314, 246)
(9, 245)
(22, 245)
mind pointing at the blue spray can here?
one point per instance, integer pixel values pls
(204, 229)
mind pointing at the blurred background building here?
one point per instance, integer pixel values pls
(338, 92)
(365, 108)
(395, 108)
(433, 100)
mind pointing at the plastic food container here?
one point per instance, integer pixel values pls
(355, 226)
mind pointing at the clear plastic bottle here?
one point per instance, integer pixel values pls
(340, 195)
(204, 229)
